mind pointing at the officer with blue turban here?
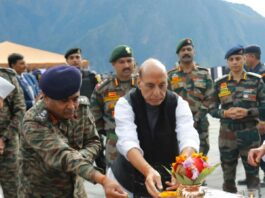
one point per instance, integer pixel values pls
(59, 141)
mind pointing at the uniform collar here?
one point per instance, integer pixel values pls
(243, 77)
(180, 68)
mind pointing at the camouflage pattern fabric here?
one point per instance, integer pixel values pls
(55, 157)
(103, 101)
(259, 69)
(196, 88)
(237, 137)
(10, 121)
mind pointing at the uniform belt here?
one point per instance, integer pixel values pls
(235, 126)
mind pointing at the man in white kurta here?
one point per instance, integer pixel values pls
(153, 89)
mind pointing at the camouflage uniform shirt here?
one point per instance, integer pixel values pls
(103, 101)
(238, 136)
(196, 87)
(56, 156)
(11, 116)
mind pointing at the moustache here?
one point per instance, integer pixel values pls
(126, 69)
(186, 56)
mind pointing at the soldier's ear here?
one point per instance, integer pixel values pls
(139, 82)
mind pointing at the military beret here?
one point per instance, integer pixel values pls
(119, 52)
(72, 51)
(182, 43)
(252, 49)
(236, 50)
(60, 82)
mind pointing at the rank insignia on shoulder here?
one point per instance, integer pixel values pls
(83, 100)
(42, 116)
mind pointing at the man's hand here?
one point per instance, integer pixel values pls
(172, 185)
(1, 103)
(113, 189)
(2, 146)
(254, 155)
(261, 128)
(153, 182)
(236, 113)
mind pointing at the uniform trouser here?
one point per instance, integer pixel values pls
(262, 163)
(234, 143)
(203, 130)
(9, 168)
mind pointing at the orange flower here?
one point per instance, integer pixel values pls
(180, 159)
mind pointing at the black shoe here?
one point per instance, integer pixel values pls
(262, 184)
(229, 188)
(242, 182)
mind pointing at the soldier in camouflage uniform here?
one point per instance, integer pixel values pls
(11, 116)
(107, 93)
(253, 64)
(195, 85)
(239, 101)
(59, 141)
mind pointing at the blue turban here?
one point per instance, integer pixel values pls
(237, 50)
(60, 82)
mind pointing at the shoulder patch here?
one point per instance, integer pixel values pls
(254, 74)
(42, 116)
(221, 78)
(83, 100)
(8, 70)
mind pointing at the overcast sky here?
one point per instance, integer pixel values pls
(257, 5)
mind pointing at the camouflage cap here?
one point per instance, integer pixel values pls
(182, 43)
(72, 51)
(60, 82)
(236, 50)
(119, 52)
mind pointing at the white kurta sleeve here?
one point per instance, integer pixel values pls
(186, 133)
(125, 127)
(5, 88)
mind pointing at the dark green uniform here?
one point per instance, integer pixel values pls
(196, 88)
(56, 156)
(10, 121)
(237, 137)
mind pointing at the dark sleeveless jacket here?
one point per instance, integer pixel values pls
(89, 82)
(160, 146)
